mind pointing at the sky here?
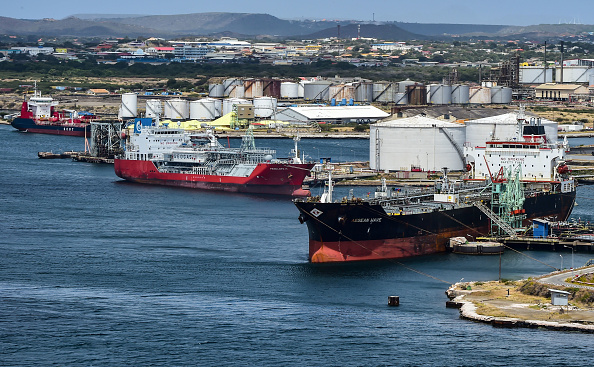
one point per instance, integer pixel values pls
(508, 12)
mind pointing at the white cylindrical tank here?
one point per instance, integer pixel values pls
(535, 75)
(501, 95)
(237, 91)
(176, 109)
(230, 102)
(229, 83)
(440, 94)
(364, 92)
(480, 95)
(203, 109)
(460, 94)
(403, 84)
(574, 74)
(301, 91)
(401, 98)
(418, 141)
(289, 90)
(384, 91)
(216, 90)
(264, 107)
(129, 107)
(218, 104)
(317, 91)
(591, 84)
(154, 108)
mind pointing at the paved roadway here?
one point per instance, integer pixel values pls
(559, 279)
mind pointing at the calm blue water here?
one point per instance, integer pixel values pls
(96, 271)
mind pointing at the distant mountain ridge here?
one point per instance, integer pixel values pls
(250, 24)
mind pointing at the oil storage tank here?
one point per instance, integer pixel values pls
(342, 91)
(289, 90)
(417, 94)
(364, 92)
(272, 88)
(405, 83)
(154, 108)
(440, 94)
(216, 90)
(480, 95)
(501, 95)
(317, 91)
(384, 91)
(264, 107)
(218, 105)
(460, 94)
(416, 142)
(237, 91)
(253, 88)
(129, 106)
(400, 98)
(229, 85)
(203, 109)
(176, 109)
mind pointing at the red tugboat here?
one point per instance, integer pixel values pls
(398, 224)
(174, 157)
(38, 115)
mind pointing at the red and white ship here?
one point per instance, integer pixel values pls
(175, 157)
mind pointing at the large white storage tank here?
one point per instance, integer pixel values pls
(230, 102)
(535, 75)
(218, 105)
(501, 127)
(574, 74)
(400, 98)
(480, 95)
(289, 90)
(403, 84)
(264, 107)
(154, 108)
(316, 91)
(384, 91)
(216, 90)
(230, 84)
(440, 94)
(460, 94)
(203, 109)
(418, 141)
(177, 109)
(364, 92)
(129, 106)
(501, 95)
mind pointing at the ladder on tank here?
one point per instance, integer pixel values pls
(454, 143)
(496, 219)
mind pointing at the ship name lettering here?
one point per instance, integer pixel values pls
(367, 220)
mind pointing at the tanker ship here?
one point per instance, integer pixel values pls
(175, 157)
(506, 184)
(38, 115)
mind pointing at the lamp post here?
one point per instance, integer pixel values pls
(561, 262)
(571, 254)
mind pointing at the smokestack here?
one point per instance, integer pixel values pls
(545, 76)
(562, 62)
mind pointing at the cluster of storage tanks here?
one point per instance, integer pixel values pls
(205, 109)
(430, 144)
(401, 93)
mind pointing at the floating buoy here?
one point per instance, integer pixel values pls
(393, 301)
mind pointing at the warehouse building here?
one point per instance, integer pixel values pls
(331, 114)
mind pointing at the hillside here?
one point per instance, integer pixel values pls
(387, 32)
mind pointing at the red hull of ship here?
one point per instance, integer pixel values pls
(267, 178)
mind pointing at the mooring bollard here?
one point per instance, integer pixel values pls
(393, 301)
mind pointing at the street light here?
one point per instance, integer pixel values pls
(571, 254)
(561, 261)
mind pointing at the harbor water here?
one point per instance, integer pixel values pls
(98, 271)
